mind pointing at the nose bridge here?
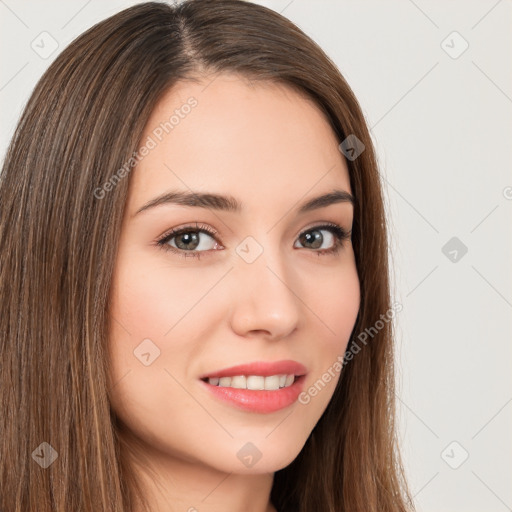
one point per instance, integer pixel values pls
(265, 297)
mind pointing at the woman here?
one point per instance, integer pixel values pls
(180, 180)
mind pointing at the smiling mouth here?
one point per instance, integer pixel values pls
(253, 382)
(256, 393)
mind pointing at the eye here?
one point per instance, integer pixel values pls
(188, 241)
(335, 238)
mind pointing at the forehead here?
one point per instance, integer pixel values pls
(247, 139)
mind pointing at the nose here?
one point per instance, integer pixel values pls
(264, 301)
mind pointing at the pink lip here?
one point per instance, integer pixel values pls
(262, 368)
(260, 401)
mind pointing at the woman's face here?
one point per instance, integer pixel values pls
(261, 288)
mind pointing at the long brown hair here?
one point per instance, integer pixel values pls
(59, 241)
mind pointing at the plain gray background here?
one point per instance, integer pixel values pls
(441, 119)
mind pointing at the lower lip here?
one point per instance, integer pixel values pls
(260, 401)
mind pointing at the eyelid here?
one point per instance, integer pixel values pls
(213, 232)
(198, 226)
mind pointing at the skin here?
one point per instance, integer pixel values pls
(272, 149)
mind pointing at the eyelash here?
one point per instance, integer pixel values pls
(339, 233)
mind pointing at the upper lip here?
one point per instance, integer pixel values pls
(263, 368)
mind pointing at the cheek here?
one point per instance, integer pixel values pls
(334, 305)
(151, 298)
(159, 315)
(148, 342)
(340, 305)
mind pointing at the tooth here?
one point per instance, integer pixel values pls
(225, 381)
(272, 382)
(239, 382)
(255, 382)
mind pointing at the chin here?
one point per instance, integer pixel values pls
(268, 459)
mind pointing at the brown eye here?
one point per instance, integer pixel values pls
(189, 241)
(314, 238)
(186, 241)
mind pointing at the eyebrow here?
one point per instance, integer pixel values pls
(230, 204)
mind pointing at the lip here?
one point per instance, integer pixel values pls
(263, 368)
(253, 400)
(258, 401)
